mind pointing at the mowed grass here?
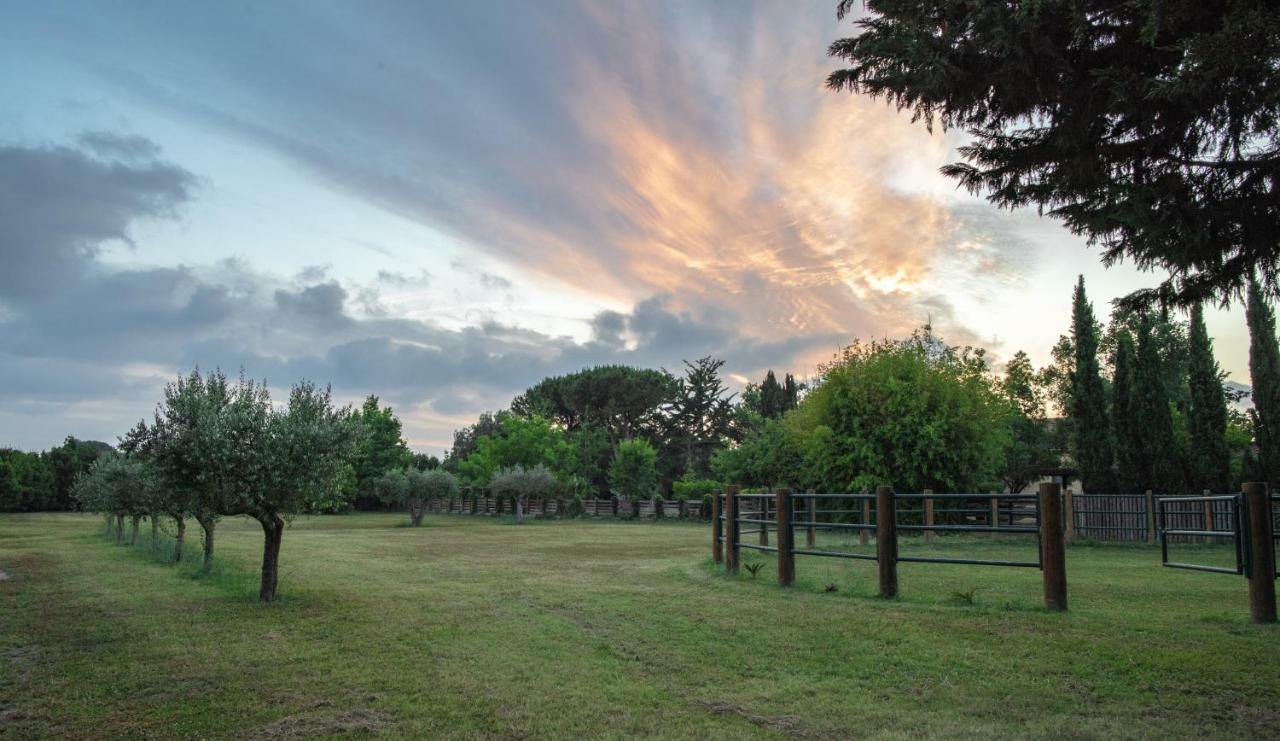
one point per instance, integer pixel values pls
(471, 627)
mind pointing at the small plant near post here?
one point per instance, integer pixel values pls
(731, 528)
(786, 538)
(753, 568)
(1262, 555)
(1053, 547)
(887, 541)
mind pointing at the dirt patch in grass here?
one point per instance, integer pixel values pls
(356, 722)
(788, 724)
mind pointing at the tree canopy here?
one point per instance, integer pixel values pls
(1151, 128)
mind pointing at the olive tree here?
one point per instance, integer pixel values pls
(413, 488)
(188, 442)
(118, 486)
(520, 484)
(434, 483)
(294, 465)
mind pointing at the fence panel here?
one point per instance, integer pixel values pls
(1115, 517)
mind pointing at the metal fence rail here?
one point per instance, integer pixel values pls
(1215, 528)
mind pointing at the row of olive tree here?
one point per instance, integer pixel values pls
(219, 448)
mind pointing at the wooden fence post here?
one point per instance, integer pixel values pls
(1053, 547)
(887, 541)
(1262, 554)
(864, 535)
(731, 528)
(811, 534)
(928, 516)
(786, 538)
(1068, 511)
(995, 514)
(1151, 516)
(717, 530)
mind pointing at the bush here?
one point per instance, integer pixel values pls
(689, 488)
(915, 414)
(634, 472)
(576, 508)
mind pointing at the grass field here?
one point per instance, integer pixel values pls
(471, 627)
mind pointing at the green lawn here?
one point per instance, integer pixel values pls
(471, 627)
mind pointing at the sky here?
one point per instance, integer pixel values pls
(441, 203)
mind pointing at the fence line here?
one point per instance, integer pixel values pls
(739, 516)
(618, 507)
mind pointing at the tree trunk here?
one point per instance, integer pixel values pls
(416, 510)
(119, 528)
(520, 506)
(155, 542)
(272, 533)
(207, 524)
(179, 538)
(133, 531)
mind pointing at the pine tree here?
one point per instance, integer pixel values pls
(1158, 467)
(1264, 374)
(1128, 440)
(1092, 438)
(1207, 412)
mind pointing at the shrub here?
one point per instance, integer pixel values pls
(576, 507)
(634, 472)
(916, 414)
(690, 488)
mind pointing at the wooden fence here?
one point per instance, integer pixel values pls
(618, 507)
(1132, 517)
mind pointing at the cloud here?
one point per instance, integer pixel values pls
(60, 205)
(98, 350)
(682, 163)
(685, 150)
(109, 144)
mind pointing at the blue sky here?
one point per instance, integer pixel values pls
(440, 203)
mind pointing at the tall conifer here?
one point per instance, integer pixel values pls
(1158, 467)
(1128, 438)
(1092, 432)
(1264, 373)
(1207, 412)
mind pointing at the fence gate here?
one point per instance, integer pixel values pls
(1171, 514)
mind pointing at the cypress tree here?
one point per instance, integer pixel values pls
(1157, 462)
(771, 397)
(1207, 412)
(1264, 374)
(790, 393)
(1128, 438)
(1092, 433)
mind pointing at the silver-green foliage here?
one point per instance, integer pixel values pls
(536, 482)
